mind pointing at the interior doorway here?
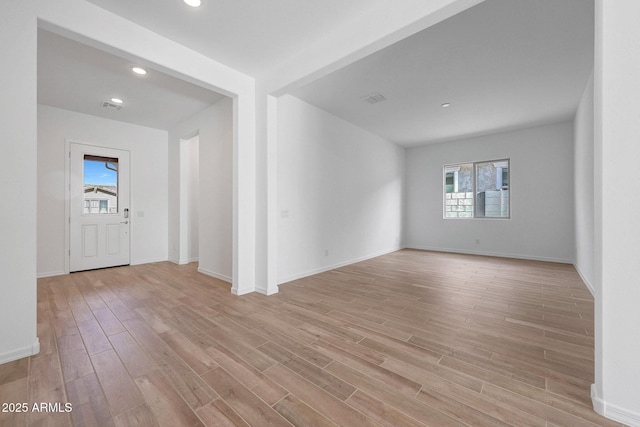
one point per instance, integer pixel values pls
(190, 199)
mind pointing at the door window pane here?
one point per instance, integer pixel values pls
(100, 185)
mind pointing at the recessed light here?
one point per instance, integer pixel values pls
(446, 105)
(139, 70)
(193, 3)
(117, 100)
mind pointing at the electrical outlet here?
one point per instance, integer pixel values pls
(477, 241)
(326, 252)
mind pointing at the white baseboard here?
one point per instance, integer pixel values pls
(613, 412)
(148, 261)
(214, 274)
(338, 265)
(598, 404)
(235, 292)
(184, 261)
(51, 274)
(492, 254)
(228, 279)
(266, 291)
(20, 353)
(136, 262)
(586, 282)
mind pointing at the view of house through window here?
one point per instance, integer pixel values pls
(100, 185)
(477, 190)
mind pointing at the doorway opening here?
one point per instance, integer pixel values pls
(190, 200)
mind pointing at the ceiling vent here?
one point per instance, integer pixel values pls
(373, 98)
(111, 105)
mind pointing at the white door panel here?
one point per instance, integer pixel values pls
(98, 207)
(113, 239)
(89, 240)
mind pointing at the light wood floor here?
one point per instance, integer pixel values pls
(407, 339)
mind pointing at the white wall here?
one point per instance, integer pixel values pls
(617, 236)
(193, 229)
(214, 127)
(149, 177)
(583, 187)
(541, 193)
(339, 190)
(18, 181)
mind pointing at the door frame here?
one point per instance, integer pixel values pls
(67, 198)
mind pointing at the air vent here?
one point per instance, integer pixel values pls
(373, 98)
(111, 105)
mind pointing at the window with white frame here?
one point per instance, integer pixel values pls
(477, 190)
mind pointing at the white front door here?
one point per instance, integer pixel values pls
(99, 218)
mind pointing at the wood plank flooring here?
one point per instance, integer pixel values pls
(412, 338)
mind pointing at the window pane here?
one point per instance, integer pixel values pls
(458, 188)
(100, 185)
(449, 180)
(492, 189)
(477, 190)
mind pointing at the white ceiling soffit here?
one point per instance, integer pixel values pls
(502, 64)
(79, 78)
(250, 36)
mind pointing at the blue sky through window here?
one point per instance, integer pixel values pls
(97, 174)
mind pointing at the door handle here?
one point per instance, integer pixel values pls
(124, 222)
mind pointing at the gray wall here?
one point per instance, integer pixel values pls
(339, 191)
(541, 191)
(584, 190)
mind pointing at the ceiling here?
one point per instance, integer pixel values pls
(502, 64)
(251, 36)
(76, 77)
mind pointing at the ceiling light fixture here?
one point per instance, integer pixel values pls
(117, 100)
(446, 105)
(193, 3)
(139, 70)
